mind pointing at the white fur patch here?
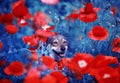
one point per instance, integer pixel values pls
(54, 48)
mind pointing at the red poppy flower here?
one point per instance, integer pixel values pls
(11, 29)
(6, 18)
(87, 17)
(1, 45)
(102, 61)
(33, 76)
(31, 40)
(59, 77)
(118, 69)
(43, 35)
(50, 2)
(80, 63)
(72, 16)
(19, 9)
(116, 45)
(88, 14)
(64, 62)
(3, 62)
(4, 80)
(34, 56)
(48, 78)
(41, 19)
(98, 33)
(15, 68)
(49, 62)
(106, 75)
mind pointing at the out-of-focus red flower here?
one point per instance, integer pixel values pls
(88, 17)
(60, 78)
(49, 62)
(64, 62)
(114, 10)
(50, 2)
(80, 63)
(41, 19)
(72, 16)
(31, 40)
(116, 45)
(106, 75)
(19, 9)
(3, 62)
(88, 14)
(33, 76)
(15, 68)
(98, 33)
(4, 80)
(118, 69)
(43, 35)
(103, 61)
(11, 29)
(48, 78)
(55, 77)
(6, 18)
(1, 45)
(34, 56)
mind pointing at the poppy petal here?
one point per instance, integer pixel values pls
(12, 29)
(1, 45)
(15, 68)
(48, 78)
(59, 77)
(32, 76)
(106, 75)
(34, 56)
(30, 40)
(49, 62)
(4, 80)
(116, 45)
(98, 33)
(102, 61)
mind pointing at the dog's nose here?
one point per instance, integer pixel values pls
(62, 48)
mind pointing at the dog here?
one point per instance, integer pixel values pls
(59, 46)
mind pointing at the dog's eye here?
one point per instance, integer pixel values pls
(65, 42)
(55, 42)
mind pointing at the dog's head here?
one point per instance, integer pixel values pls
(59, 45)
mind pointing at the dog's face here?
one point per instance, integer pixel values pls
(59, 45)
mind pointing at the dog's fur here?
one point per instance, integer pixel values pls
(59, 46)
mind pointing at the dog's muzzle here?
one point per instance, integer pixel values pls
(60, 54)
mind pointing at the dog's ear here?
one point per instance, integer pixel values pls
(49, 40)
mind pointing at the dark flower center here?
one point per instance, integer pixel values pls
(118, 44)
